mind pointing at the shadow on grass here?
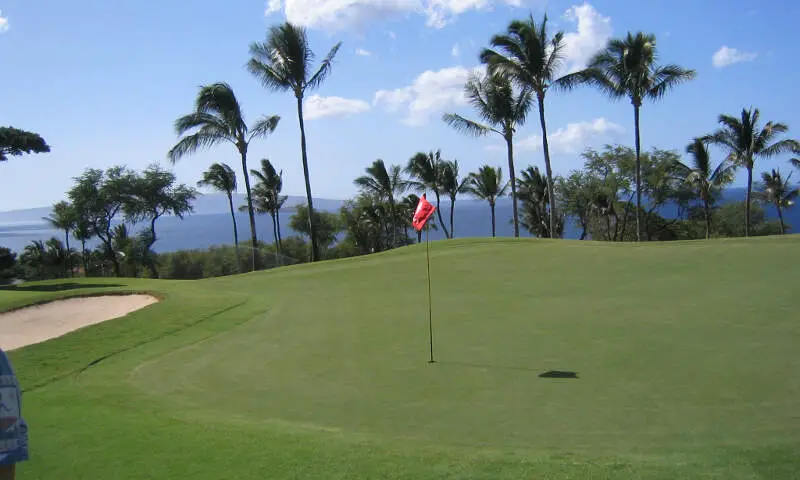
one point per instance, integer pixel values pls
(549, 374)
(57, 287)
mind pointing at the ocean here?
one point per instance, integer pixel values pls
(211, 224)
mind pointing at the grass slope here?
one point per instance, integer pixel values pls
(686, 355)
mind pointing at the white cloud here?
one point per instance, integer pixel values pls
(592, 35)
(272, 7)
(319, 107)
(432, 92)
(336, 15)
(726, 56)
(3, 22)
(362, 52)
(455, 51)
(574, 138)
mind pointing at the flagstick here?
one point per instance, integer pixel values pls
(430, 308)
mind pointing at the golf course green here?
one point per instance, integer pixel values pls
(687, 358)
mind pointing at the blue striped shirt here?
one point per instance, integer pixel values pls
(13, 430)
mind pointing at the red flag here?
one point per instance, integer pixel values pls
(423, 213)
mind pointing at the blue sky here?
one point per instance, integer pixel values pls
(104, 81)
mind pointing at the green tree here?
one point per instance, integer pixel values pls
(576, 195)
(64, 218)
(218, 118)
(283, 63)
(745, 141)
(451, 186)
(15, 142)
(385, 184)
(487, 184)
(269, 184)
(532, 59)
(8, 266)
(222, 178)
(534, 196)
(152, 195)
(778, 191)
(627, 68)
(503, 108)
(326, 223)
(425, 169)
(706, 180)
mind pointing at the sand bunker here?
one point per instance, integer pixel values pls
(36, 324)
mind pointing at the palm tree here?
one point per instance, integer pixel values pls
(283, 62)
(270, 184)
(385, 184)
(218, 118)
(795, 162)
(222, 178)
(778, 191)
(627, 68)
(534, 196)
(706, 181)
(487, 184)
(64, 218)
(532, 59)
(426, 169)
(451, 185)
(503, 109)
(745, 140)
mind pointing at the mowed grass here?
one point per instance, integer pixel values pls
(686, 355)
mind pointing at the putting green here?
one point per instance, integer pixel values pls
(685, 354)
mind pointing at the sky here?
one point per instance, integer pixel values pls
(104, 81)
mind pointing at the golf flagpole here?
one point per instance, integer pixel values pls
(430, 306)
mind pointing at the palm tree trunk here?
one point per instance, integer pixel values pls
(394, 221)
(708, 218)
(638, 173)
(452, 212)
(747, 200)
(235, 234)
(513, 176)
(84, 258)
(275, 235)
(69, 255)
(151, 263)
(250, 212)
(419, 236)
(278, 223)
(491, 208)
(439, 213)
(780, 216)
(311, 227)
(547, 167)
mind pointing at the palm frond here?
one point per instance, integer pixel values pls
(264, 126)
(779, 147)
(324, 68)
(192, 143)
(667, 77)
(467, 126)
(200, 119)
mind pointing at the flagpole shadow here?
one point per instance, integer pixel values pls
(547, 374)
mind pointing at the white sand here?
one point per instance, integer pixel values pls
(36, 324)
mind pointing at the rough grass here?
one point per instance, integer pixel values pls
(686, 357)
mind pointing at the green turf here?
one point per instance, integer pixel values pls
(686, 355)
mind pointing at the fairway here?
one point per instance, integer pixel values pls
(686, 357)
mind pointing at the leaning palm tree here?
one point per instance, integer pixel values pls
(627, 68)
(425, 170)
(218, 118)
(270, 184)
(745, 140)
(283, 62)
(705, 180)
(222, 178)
(532, 59)
(487, 184)
(384, 184)
(451, 186)
(778, 191)
(503, 108)
(64, 218)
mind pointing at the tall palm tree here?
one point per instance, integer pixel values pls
(627, 68)
(385, 184)
(706, 180)
(270, 184)
(64, 218)
(487, 184)
(218, 118)
(533, 60)
(283, 62)
(534, 197)
(222, 178)
(503, 109)
(426, 171)
(745, 140)
(451, 186)
(778, 191)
